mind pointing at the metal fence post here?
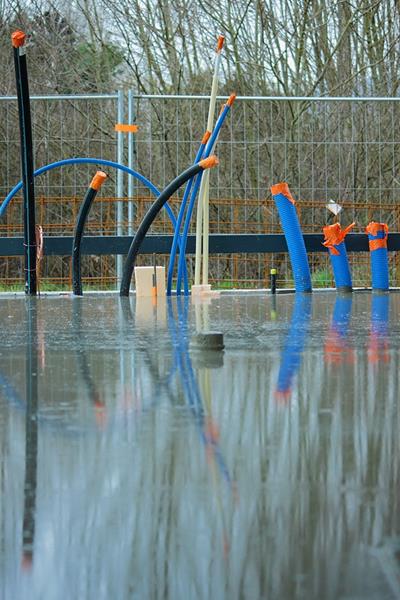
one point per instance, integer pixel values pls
(131, 152)
(120, 180)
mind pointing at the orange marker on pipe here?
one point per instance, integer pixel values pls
(98, 180)
(220, 43)
(123, 128)
(18, 39)
(231, 99)
(206, 137)
(209, 163)
(282, 188)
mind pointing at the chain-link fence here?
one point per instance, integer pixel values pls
(345, 149)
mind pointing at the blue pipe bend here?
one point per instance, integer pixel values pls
(295, 242)
(89, 161)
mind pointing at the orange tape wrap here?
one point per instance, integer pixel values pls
(373, 229)
(209, 163)
(123, 128)
(206, 137)
(39, 243)
(334, 235)
(220, 43)
(282, 188)
(18, 38)
(98, 180)
(231, 99)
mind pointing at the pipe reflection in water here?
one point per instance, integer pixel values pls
(147, 340)
(273, 312)
(144, 509)
(294, 345)
(337, 348)
(378, 350)
(99, 407)
(195, 391)
(31, 436)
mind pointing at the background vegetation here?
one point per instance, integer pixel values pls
(273, 48)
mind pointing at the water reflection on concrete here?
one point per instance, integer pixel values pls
(131, 467)
(296, 339)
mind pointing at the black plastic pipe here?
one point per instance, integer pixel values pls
(91, 194)
(31, 437)
(151, 214)
(25, 129)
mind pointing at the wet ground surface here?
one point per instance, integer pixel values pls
(134, 467)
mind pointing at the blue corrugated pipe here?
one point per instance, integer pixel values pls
(294, 346)
(294, 238)
(334, 241)
(377, 235)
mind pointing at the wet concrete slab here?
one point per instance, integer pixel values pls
(133, 465)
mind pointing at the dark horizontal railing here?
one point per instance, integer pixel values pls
(161, 244)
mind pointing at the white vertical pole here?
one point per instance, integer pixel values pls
(206, 225)
(202, 221)
(120, 179)
(131, 143)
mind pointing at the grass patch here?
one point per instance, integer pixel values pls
(322, 278)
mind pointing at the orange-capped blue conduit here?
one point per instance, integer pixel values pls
(294, 237)
(334, 241)
(377, 235)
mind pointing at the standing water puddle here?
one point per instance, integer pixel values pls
(134, 467)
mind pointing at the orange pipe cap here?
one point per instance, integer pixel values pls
(282, 188)
(231, 99)
(18, 38)
(374, 228)
(98, 180)
(220, 43)
(210, 162)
